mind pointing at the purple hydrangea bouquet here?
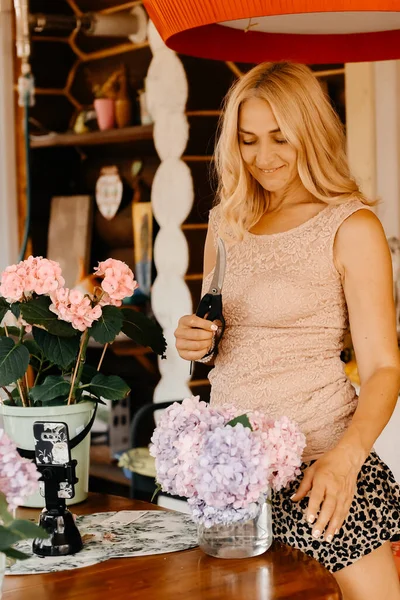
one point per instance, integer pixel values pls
(225, 464)
(18, 479)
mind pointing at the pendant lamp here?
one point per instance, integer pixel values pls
(306, 31)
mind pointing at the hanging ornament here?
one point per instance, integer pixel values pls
(109, 190)
(306, 31)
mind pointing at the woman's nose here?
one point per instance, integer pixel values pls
(265, 156)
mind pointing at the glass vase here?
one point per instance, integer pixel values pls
(243, 539)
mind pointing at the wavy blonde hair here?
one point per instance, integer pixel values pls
(308, 122)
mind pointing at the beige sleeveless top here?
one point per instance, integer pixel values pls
(286, 317)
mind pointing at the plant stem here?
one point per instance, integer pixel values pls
(80, 361)
(102, 356)
(21, 393)
(8, 393)
(6, 330)
(38, 372)
(26, 383)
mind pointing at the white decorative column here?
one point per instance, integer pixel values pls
(8, 176)
(172, 198)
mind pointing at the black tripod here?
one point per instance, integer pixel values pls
(56, 519)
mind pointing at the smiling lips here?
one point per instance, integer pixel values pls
(270, 170)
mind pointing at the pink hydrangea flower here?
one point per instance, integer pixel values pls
(75, 308)
(34, 275)
(223, 471)
(118, 282)
(18, 476)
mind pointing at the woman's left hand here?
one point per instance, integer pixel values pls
(332, 480)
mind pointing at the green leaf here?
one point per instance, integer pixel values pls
(37, 312)
(16, 397)
(8, 537)
(33, 348)
(243, 419)
(15, 308)
(143, 331)
(14, 361)
(16, 554)
(110, 387)
(156, 491)
(4, 308)
(105, 329)
(60, 401)
(58, 350)
(17, 530)
(54, 386)
(15, 331)
(4, 514)
(28, 530)
(88, 372)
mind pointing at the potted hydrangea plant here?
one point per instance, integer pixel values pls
(18, 478)
(225, 464)
(43, 370)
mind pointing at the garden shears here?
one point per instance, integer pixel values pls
(210, 306)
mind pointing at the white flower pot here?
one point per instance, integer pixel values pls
(18, 425)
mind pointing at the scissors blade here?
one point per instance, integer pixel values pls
(219, 271)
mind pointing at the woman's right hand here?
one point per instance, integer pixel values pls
(194, 337)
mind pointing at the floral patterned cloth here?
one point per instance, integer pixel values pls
(152, 532)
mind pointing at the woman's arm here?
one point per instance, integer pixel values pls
(362, 257)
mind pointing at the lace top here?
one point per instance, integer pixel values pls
(286, 317)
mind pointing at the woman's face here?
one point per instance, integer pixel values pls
(269, 157)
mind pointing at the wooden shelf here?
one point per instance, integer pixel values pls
(95, 138)
(106, 470)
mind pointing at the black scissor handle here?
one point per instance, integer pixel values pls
(210, 305)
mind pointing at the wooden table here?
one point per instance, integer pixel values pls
(281, 573)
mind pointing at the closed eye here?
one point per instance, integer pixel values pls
(247, 143)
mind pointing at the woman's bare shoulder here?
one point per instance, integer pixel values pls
(360, 240)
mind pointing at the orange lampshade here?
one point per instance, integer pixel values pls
(308, 31)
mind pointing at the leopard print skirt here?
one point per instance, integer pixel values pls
(374, 518)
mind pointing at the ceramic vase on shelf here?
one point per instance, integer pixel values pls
(105, 111)
(241, 539)
(18, 425)
(123, 104)
(123, 112)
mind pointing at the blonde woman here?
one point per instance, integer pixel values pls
(306, 256)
